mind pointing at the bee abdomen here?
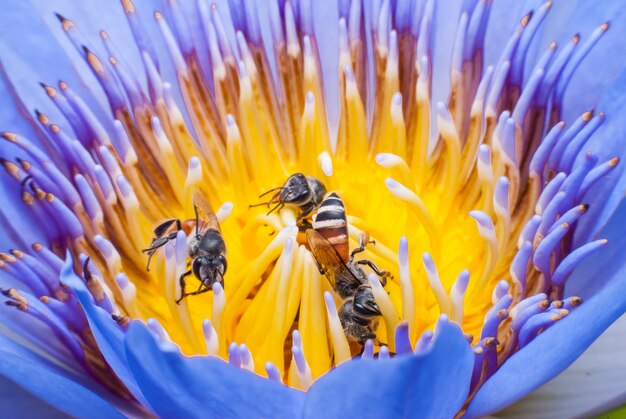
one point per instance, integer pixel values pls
(330, 222)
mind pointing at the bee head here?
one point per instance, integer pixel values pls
(209, 269)
(295, 190)
(365, 304)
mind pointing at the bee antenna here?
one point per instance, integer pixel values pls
(271, 190)
(276, 208)
(276, 197)
(259, 204)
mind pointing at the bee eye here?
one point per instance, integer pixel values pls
(223, 262)
(197, 264)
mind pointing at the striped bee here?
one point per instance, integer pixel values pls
(328, 241)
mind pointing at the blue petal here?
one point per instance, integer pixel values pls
(108, 335)
(326, 25)
(177, 386)
(605, 61)
(19, 223)
(591, 276)
(26, 63)
(608, 142)
(599, 68)
(589, 89)
(446, 20)
(66, 395)
(553, 350)
(72, 373)
(23, 65)
(16, 402)
(503, 20)
(433, 384)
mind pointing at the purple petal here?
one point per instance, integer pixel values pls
(432, 384)
(26, 63)
(180, 386)
(547, 355)
(326, 24)
(55, 389)
(16, 401)
(444, 27)
(609, 141)
(593, 273)
(503, 20)
(108, 335)
(603, 64)
(16, 218)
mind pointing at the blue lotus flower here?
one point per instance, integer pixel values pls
(476, 144)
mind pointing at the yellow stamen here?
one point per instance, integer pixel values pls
(390, 315)
(217, 320)
(211, 339)
(341, 349)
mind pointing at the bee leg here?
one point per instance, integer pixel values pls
(303, 224)
(356, 251)
(182, 282)
(154, 246)
(322, 270)
(363, 242)
(156, 243)
(201, 290)
(160, 230)
(366, 336)
(159, 240)
(305, 211)
(382, 274)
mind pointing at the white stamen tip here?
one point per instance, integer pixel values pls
(217, 289)
(349, 74)
(388, 161)
(392, 183)
(397, 99)
(194, 162)
(326, 163)
(224, 211)
(403, 253)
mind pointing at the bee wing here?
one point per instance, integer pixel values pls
(327, 259)
(205, 215)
